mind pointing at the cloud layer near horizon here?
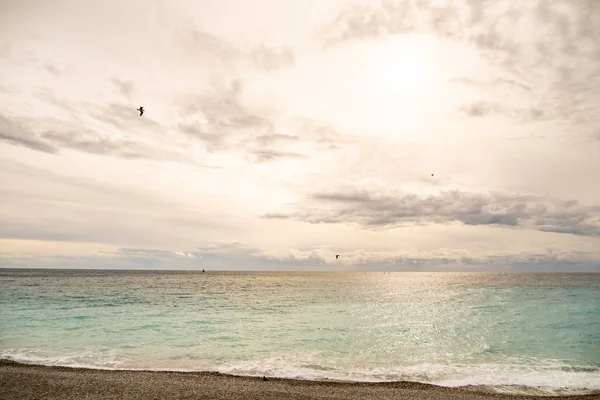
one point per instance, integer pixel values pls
(404, 135)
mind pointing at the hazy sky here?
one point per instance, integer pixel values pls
(278, 133)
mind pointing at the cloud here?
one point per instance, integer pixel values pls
(103, 122)
(89, 142)
(271, 59)
(371, 20)
(236, 256)
(148, 252)
(196, 41)
(479, 109)
(483, 108)
(491, 83)
(276, 137)
(407, 209)
(438, 259)
(53, 206)
(125, 88)
(52, 135)
(182, 254)
(545, 48)
(53, 69)
(388, 94)
(260, 56)
(13, 133)
(261, 156)
(363, 21)
(222, 122)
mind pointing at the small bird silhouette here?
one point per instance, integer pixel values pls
(141, 110)
(431, 174)
(337, 256)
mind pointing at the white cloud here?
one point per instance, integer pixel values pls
(182, 254)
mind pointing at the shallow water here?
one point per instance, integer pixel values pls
(451, 329)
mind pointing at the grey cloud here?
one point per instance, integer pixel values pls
(123, 258)
(515, 83)
(142, 251)
(224, 123)
(51, 141)
(85, 187)
(13, 133)
(52, 206)
(196, 41)
(29, 143)
(548, 259)
(89, 142)
(484, 108)
(122, 116)
(358, 21)
(560, 53)
(52, 134)
(446, 21)
(390, 17)
(96, 221)
(492, 82)
(478, 109)
(389, 210)
(212, 140)
(238, 256)
(260, 56)
(272, 155)
(322, 134)
(276, 137)
(53, 69)
(5, 50)
(271, 59)
(220, 245)
(125, 88)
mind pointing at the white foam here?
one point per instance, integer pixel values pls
(548, 377)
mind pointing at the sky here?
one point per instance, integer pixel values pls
(407, 135)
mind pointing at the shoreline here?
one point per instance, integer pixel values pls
(32, 381)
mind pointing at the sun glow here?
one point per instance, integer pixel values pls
(403, 86)
(403, 66)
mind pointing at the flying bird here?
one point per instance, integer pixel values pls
(141, 110)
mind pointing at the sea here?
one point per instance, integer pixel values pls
(510, 332)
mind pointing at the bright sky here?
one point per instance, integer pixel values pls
(402, 135)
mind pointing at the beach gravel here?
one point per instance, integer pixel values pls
(23, 381)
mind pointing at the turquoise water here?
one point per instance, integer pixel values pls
(451, 329)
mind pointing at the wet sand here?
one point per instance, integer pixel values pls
(24, 381)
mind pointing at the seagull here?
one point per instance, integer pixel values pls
(337, 256)
(141, 110)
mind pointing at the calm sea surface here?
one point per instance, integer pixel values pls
(452, 329)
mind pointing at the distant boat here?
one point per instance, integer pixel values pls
(202, 270)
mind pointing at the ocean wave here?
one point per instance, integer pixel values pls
(545, 378)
